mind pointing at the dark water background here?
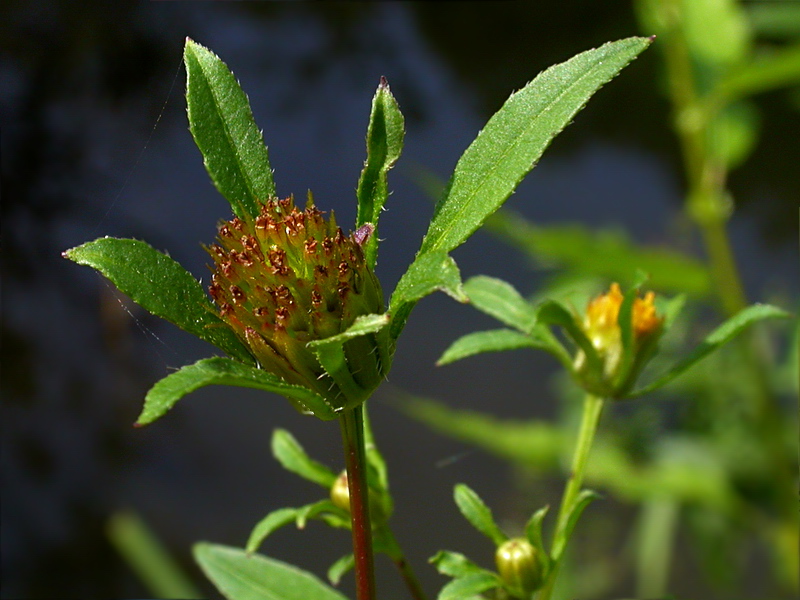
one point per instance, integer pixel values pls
(85, 154)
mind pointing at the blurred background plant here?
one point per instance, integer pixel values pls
(84, 85)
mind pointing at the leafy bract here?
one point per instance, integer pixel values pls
(516, 136)
(714, 340)
(161, 286)
(435, 271)
(224, 371)
(239, 576)
(324, 510)
(288, 451)
(477, 513)
(470, 586)
(574, 513)
(385, 135)
(222, 124)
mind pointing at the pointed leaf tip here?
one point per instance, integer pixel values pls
(384, 83)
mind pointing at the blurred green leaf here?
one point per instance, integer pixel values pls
(716, 31)
(288, 451)
(554, 313)
(435, 271)
(500, 300)
(607, 254)
(264, 528)
(575, 512)
(454, 564)
(148, 558)
(161, 286)
(224, 371)
(222, 124)
(239, 576)
(469, 587)
(777, 69)
(714, 340)
(385, 135)
(495, 340)
(733, 134)
(533, 443)
(516, 136)
(477, 513)
(340, 568)
(775, 19)
(533, 530)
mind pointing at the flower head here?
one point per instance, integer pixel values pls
(289, 277)
(601, 326)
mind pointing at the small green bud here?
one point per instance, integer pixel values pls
(340, 496)
(288, 277)
(521, 567)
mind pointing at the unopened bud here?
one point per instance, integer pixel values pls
(521, 567)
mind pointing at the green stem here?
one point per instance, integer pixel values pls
(592, 409)
(352, 423)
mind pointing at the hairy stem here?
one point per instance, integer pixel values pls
(592, 409)
(352, 423)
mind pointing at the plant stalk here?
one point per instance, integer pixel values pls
(592, 409)
(352, 424)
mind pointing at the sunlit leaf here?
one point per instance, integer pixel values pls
(495, 340)
(223, 371)
(436, 271)
(161, 286)
(469, 587)
(454, 564)
(222, 124)
(500, 300)
(385, 135)
(239, 576)
(516, 136)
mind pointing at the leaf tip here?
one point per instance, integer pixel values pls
(384, 83)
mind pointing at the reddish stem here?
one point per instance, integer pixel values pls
(352, 422)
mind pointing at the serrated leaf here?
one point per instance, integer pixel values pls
(385, 135)
(224, 371)
(288, 451)
(272, 522)
(516, 136)
(222, 124)
(500, 300)
(435, 271)
(477, 513)
(454, 564)
(340, 568)
(161, 286)
(494, 340)
(239, 576)
(470, 586)
(714, 340)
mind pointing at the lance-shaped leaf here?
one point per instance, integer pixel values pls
(385, 135)
(714, 340)
(495, 340)
(239, 576)
(500, 300)
(436, 271)
(575, 511)
(516, 136)
(477, 513)
(288, 451)
(340, 568)
(222, 124)
(224, 371)
(161, 286)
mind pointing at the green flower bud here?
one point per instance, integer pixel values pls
(289, 277)
(521, 567)
(601, 326)
(340, 496)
